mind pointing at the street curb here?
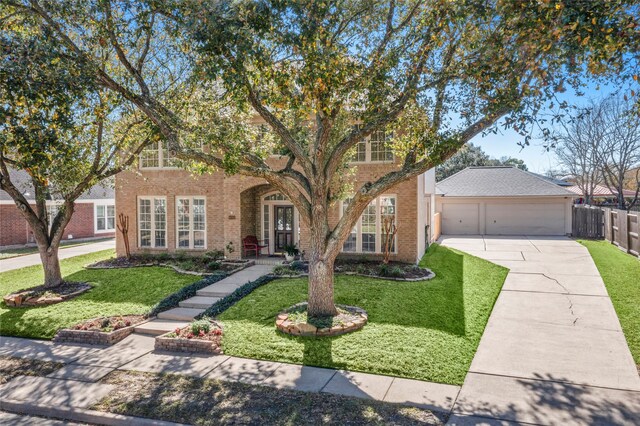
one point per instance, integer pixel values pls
(79, 414)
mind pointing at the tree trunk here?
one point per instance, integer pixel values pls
(51, 265)
(321, 287)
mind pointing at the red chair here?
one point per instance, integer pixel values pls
(251, 243)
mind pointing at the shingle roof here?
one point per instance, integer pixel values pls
(602, 191)
(559, 182)
(498, 181)
(22, 181)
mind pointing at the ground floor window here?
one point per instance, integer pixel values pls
(105, 217)
(152, 222)
(369, 235)
(190, 223)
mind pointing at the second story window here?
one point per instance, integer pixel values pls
(157, 156)
(375, 148)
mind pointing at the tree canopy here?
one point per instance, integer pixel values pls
(471, 155)
(324, 75)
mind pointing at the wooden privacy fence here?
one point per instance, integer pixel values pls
(587, 222)
(622, 228)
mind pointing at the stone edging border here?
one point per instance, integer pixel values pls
(175, 268)
(82, 415)
(93, 337)
(355, 274)
(309, 330)
(55, 301)
(177, 344)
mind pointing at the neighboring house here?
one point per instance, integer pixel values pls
(94, 215)
(502, 201)
(171, 210)
(601, 195)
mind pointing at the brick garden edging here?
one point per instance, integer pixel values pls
(177, 344)
(309, 330)
(379, 277)
(25, 298)
(92, 337)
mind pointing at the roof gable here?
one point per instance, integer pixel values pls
(498, 181)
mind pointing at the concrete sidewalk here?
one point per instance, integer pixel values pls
(76, 385)
(64, 253)
(553, 351)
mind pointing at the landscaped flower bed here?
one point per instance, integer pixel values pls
(41, 295)
(295, 321)
(397, 271)
(202, 336)
(211, 262)
(100, 331)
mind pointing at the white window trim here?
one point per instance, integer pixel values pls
(367, 154)
(153, 221)
(161, 159)
(95, 218)
(191, 230)
(358, 227)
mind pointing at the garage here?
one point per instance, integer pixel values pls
(460, 219)
(502, 201)
(525, 219)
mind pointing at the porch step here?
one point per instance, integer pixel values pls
(180, 314)
(199, 302)
(218, 290)
(157, 327)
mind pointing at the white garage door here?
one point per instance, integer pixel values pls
(459, 219)
(525, 219)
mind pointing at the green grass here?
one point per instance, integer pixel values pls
(621, 275)
(426, 330)
(114, 292)
(9, 253)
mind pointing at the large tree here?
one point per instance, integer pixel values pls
(60, 129)
(323, 75)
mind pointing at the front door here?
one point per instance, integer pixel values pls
(283, 221)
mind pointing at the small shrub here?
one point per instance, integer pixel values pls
(297, 265)
(146, 257)
(284, 270)
(163, 257)
(383, 269)
(200, 325)
(187, 265)
(361, 269)
(213, 265)
(214, 255)
(181, 255)
(105, 323)
(396, 272)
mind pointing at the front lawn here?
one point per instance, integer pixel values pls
(621, 275)
(114, 292)
(426, 330)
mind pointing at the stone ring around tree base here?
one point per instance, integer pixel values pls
(294, 321)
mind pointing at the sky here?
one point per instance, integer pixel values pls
(536, 157)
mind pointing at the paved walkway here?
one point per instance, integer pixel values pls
(64, 253)
(188, 309)
(553, 351)
(76, 384)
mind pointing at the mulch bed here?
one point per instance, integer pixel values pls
(369, 268)
(107, 324)
(202, 336)
(296, 321)
(41, 295)
(198, 264)
(11, 367)
(200, 401)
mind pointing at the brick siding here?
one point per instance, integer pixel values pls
(233, 205)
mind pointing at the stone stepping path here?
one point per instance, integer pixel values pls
(190, 308)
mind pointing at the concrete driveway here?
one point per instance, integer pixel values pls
(64, 253)
(553, 351)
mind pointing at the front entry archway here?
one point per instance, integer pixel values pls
(280, 222)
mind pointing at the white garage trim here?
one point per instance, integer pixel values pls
(505, 215)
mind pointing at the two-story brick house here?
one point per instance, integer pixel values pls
(170, 209)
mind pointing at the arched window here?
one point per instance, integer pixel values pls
(275, 197)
